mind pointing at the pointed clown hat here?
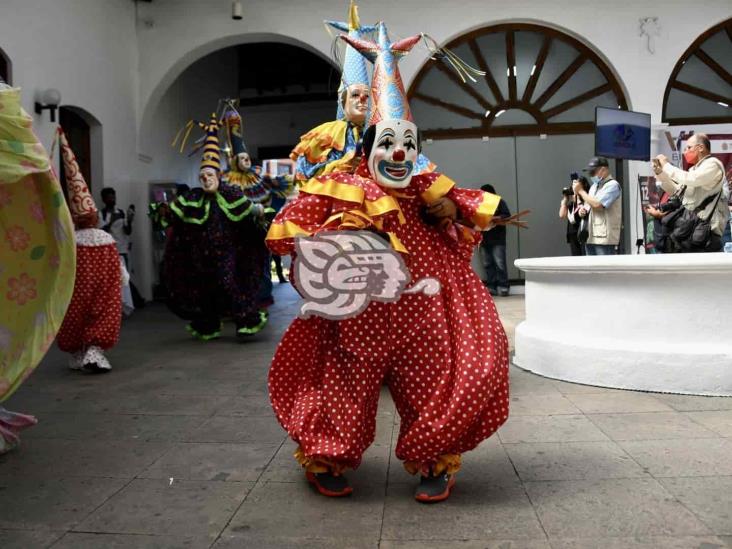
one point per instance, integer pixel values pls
(388, 98)
(232, 123)
(84, 211)
(354, 65)
(211, 153)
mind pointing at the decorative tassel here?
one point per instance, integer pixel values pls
(187, 129)
(461, 67)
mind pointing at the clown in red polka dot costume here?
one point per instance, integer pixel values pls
(444, 357)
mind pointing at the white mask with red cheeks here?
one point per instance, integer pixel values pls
(394, 153)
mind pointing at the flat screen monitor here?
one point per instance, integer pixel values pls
(622, 134)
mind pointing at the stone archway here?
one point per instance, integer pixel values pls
(151, 103)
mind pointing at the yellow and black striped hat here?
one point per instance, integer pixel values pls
(211, 151)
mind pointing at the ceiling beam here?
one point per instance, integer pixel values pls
(566, 128)
(712, 64)
(457, 109)
(471, 91)
(590, 94)
(704, 94)
(560, 81)
(539, 64)
(482, 65)
(511, 63)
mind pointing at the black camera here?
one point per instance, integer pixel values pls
(674, 203)
(574, 176)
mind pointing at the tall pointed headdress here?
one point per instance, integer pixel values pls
(388, 98)
(211, 152)
(355, 70)
(81, 204)
(232, 124)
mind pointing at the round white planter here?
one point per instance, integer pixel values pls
(646, 322)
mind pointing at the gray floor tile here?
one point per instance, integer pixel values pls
(572, 461)
(263, 430)
(611, 508)
(77, 540)
(184, 508)
(295, 510)
(27, 539)
(55, 458)
(213, 461)
(658, 542)
(81, 426)
(650, 426)
(229, 541)
(565, 428)
(617, 402)
(567, 388)
(468, 544)
(709, 498)
(251, 405)
(52, 504)
(676, 458)
(719, 421)
(541, 405)
(525, 383)
(687, 403)
(474, 511)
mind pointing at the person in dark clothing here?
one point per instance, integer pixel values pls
(569, 210)
(493, 251)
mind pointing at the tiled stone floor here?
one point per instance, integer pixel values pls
(178, 447)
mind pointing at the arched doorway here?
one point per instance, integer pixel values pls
(284, 89)
(523, 127)
(6, 68)
(699, 90)
(83, 132)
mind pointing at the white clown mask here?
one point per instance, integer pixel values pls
(356, 103)
(209, 179)
(243, 161)
(394, 153)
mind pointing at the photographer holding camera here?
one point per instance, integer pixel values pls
(569, 209)
(698, 222)
(603, 208)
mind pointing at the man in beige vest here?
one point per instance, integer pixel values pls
(704, 179)
(603, 204)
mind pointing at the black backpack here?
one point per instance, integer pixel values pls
(687, 231)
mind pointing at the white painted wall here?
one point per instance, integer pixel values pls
(87, 49)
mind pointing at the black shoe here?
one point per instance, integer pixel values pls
(328, 484)
(434, 489)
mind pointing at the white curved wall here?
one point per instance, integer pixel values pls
(645, 322)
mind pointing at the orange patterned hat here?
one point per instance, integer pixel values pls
(81, 203)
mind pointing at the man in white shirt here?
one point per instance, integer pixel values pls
(704, 180)
(117, 223)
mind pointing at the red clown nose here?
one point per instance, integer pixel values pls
(398, 155)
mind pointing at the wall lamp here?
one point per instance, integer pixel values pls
(236, 10)
(50, 100)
